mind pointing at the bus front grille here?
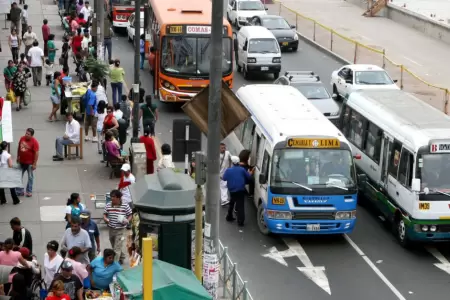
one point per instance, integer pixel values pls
(313, 216)
(190, 89)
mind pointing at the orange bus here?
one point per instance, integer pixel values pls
(120, 10)
(180, 31)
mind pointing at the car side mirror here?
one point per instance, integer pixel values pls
(245, 47)
(262, 179)
(415, 185)
(348, 81)
(292, 26)
(395, 80)
(334, 96)
(362, 178)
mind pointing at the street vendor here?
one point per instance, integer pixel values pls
(102, 270)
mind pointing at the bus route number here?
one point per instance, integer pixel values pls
(175, 29)
(424, 206)
(278, 201)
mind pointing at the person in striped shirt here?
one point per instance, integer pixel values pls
(117, 215)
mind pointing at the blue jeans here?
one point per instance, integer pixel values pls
(142, 60)
(29, 170)
(59, 145)
(107, 45)
(116, 91)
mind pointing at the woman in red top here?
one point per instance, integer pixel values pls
(110, 121)
(57, 292)
(76, 42)
(147, 140)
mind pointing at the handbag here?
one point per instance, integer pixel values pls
(27, 97)
(10, 96)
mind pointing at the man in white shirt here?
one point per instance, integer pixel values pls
(28, 38)
(86, 11)
(126, 180)
(85, 42)
(225, 163)
(71, 136)
(36, 56)
(24, 19)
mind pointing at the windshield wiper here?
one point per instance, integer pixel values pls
(315, 98)
(337, 186)
(440, 192)
(296, 183)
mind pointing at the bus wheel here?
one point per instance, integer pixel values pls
(261, 222)
(401, 232)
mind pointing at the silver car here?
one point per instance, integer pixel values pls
(313, 89)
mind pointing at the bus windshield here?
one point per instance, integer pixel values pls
(188, 55)
(313, 168)
(126, 2)
(435, 172)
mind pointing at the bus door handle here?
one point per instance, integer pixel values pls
(397, 193)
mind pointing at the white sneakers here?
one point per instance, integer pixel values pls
(94, 139)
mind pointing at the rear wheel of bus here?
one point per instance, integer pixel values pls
(261, 222)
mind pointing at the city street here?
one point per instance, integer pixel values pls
(368, 264)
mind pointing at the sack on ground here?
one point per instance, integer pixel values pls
(27, 97)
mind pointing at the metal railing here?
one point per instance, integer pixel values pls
(356, 52)
(233, 285)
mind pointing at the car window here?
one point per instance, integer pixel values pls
(275, 23)
(250, 5)
(255, 21)
(343, 73)
(372, 78)
(312, 91)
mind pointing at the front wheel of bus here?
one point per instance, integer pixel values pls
(261, 222)
(402, 233)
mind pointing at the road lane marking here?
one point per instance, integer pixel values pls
(413, 61)
(277, 256)
(374, 268)
(443, 264)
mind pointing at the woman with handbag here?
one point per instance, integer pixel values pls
(8, 74)
(149, 114)
(55, 96)
(19, 83)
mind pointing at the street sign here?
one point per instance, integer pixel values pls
(186, 139)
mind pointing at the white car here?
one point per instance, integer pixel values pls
(240, 12)
(351, 78)
(130, 26)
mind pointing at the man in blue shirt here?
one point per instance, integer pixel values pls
(90, 103)
(236, 177)
(94, 234)
(102, 270)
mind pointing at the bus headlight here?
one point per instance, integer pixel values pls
(433, 228)
(280, 215)
(345, 215)
(168, 85)
(424, 228)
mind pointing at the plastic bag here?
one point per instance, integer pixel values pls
(10, 96)
(27, 97)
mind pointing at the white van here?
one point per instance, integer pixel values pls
(257, 51)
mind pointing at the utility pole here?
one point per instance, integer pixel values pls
(100, 17)
(211, 243)
(137, 59)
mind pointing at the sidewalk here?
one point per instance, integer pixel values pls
(423, 56)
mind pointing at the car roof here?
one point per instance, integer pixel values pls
(307, 83)
(257, 31)
(364, 67)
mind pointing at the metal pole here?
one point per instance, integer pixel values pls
(186, 150)
(147, 272)
(214, 118)
(137, 59)
(100, 29)
(135, 138)
(199, 232)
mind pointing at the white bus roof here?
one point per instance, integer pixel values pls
(256, 32)
(281, 111)
(408, 118)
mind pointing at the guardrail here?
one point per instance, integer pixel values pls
(356, 52)
(233, 285)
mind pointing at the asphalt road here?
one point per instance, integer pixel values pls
(368, 264)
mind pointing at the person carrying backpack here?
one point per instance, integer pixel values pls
(74, 208)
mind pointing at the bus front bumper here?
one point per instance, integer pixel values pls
(120, 24)
(166, 95)
(310, 226)
(432, 237)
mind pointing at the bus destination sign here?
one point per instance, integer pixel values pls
(192, 29)
(197, 29)
(440, 147)
(313, 143)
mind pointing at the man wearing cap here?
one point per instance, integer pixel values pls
(126, 180)
(94, 234)
(72, 284)
(225, 163)
(236, 177)
(76, 236)
(85, 42)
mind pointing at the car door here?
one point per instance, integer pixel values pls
(386, 151)
(259, 189)
(341, 81)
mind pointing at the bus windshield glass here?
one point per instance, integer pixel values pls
(126, 2)
(187, 55)
(313, 168)
(435, 172)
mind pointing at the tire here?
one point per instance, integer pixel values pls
(401, 233)
(294, 49)
(335, 91)
(276, 75)
(238, 68)
(260, 220)
(244, 70)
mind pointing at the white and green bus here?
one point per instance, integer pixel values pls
(404, 145)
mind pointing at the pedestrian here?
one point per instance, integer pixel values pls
(7, 162)
(76, 42)
(244, 158)
(118, 114)
(24, 19)
(74, 208)
(117, 215)
(166, 159)
(76, 236)
(21, 235)
(90, 120)
(71, 136)
(141, 94)
(65, 57)
(28, 38)
(8, 74)
(149, 114)
(19, 288)
(110, 121)
(101, 115)
(52, 262)
(94, 234)
(63, 105)
(80, 20)
(55, 96)
(14, 43)
(72, 284)
(117, 74)
(225, 163)
(125, 108)
(49, 71)
(237, 178)
(152, 65)
(142, 49)
(23, 60)
(103, 269)
(45, 35)
(57, 292)
(27, 158)
(79, 270)
(15, 15)
(8, 257)
(19, 84)
(73, 23)
(51, 48)
(126, 180)
(36, 55)
(107, 41)
(149, 149)
(86, 11)
(80, 5)
(85, 42)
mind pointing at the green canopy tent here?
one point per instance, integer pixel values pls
(169, 282)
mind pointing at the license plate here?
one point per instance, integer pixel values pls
(264, 68)
(313, 227)
(285, 44)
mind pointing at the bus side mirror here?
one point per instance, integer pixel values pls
(415, 185)
(245, 46)
(262, 179)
